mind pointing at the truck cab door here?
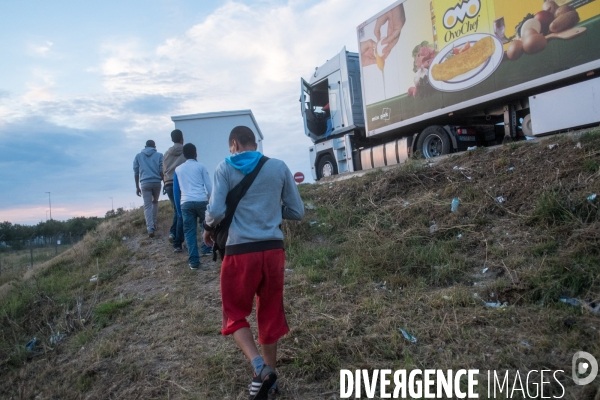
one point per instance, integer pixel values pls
(336, 105)
(305, 107)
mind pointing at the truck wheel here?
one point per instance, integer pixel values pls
(526, 126)
(327, 167)
(433, 142)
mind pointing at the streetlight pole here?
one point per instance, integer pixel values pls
(112, 205)
(46, 215)
(50, 204)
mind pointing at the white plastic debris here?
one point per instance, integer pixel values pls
(496, 304)
(592, 197)
(456, 167)
(408, 336)
(406, 204)
(578, 145)
(459, 236)
(484, 270)
(94, 278)
(552, 146)
(433, 228)
(524, 343)
(570, 301)
(309, 206)
(511, 169)
(313, 223)
(124, 238)
(471, 148)
(54, 339)
(500, 199)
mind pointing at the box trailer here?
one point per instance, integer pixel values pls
(210, 133)
(439, 76)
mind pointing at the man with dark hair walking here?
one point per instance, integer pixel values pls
(192, 181)
(174, 158)
(148, 172)
(254, 259)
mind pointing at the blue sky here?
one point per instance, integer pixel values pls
(84, 84)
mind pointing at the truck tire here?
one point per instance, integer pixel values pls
(327, 167)
(526, 126)
(433, 142)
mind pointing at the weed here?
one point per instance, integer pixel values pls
(545, 248)
(85, 381)
(105, 312)
(591, 165)
(551, 209)
(102, 247)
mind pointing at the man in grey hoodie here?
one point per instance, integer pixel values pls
(174, 158)
(254, 259)
(148, 172)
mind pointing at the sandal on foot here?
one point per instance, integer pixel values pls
(260, 385)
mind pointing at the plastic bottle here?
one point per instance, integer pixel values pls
(455, 203)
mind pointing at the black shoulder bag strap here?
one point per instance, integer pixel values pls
(233, 198)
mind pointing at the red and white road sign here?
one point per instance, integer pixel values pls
(299, 177)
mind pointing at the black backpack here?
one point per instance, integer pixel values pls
(233, 198)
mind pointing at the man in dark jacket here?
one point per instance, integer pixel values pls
(254, 259)
(174, 158)
(147, 170)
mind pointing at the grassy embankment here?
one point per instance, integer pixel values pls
(364, 262)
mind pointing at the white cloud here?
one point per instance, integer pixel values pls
(240, 57)
(245, 57)
(40, 50)
(40, 87)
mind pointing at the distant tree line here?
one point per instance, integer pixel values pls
(16, 236)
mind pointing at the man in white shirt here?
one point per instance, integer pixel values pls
(191, 178)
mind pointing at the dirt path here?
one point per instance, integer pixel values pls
(171, 338)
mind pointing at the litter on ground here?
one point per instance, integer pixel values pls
(570, 301)
(496, 304)
(454, 205)
(408, 336)
(54, 339)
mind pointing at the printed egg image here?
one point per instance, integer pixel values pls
(380, 61)
(528, 31)
(515, 50)
(534, 43)
(460, 12)
(550, 5)
(531, 24)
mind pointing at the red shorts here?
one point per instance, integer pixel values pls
(243, 276)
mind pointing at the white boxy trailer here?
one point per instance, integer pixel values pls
(210, 133)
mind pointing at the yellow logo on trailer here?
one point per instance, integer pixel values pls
(455, 19)
(460, 12)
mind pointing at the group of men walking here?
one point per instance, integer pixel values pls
(253, 257)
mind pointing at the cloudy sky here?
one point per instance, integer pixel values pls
(84, 84)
